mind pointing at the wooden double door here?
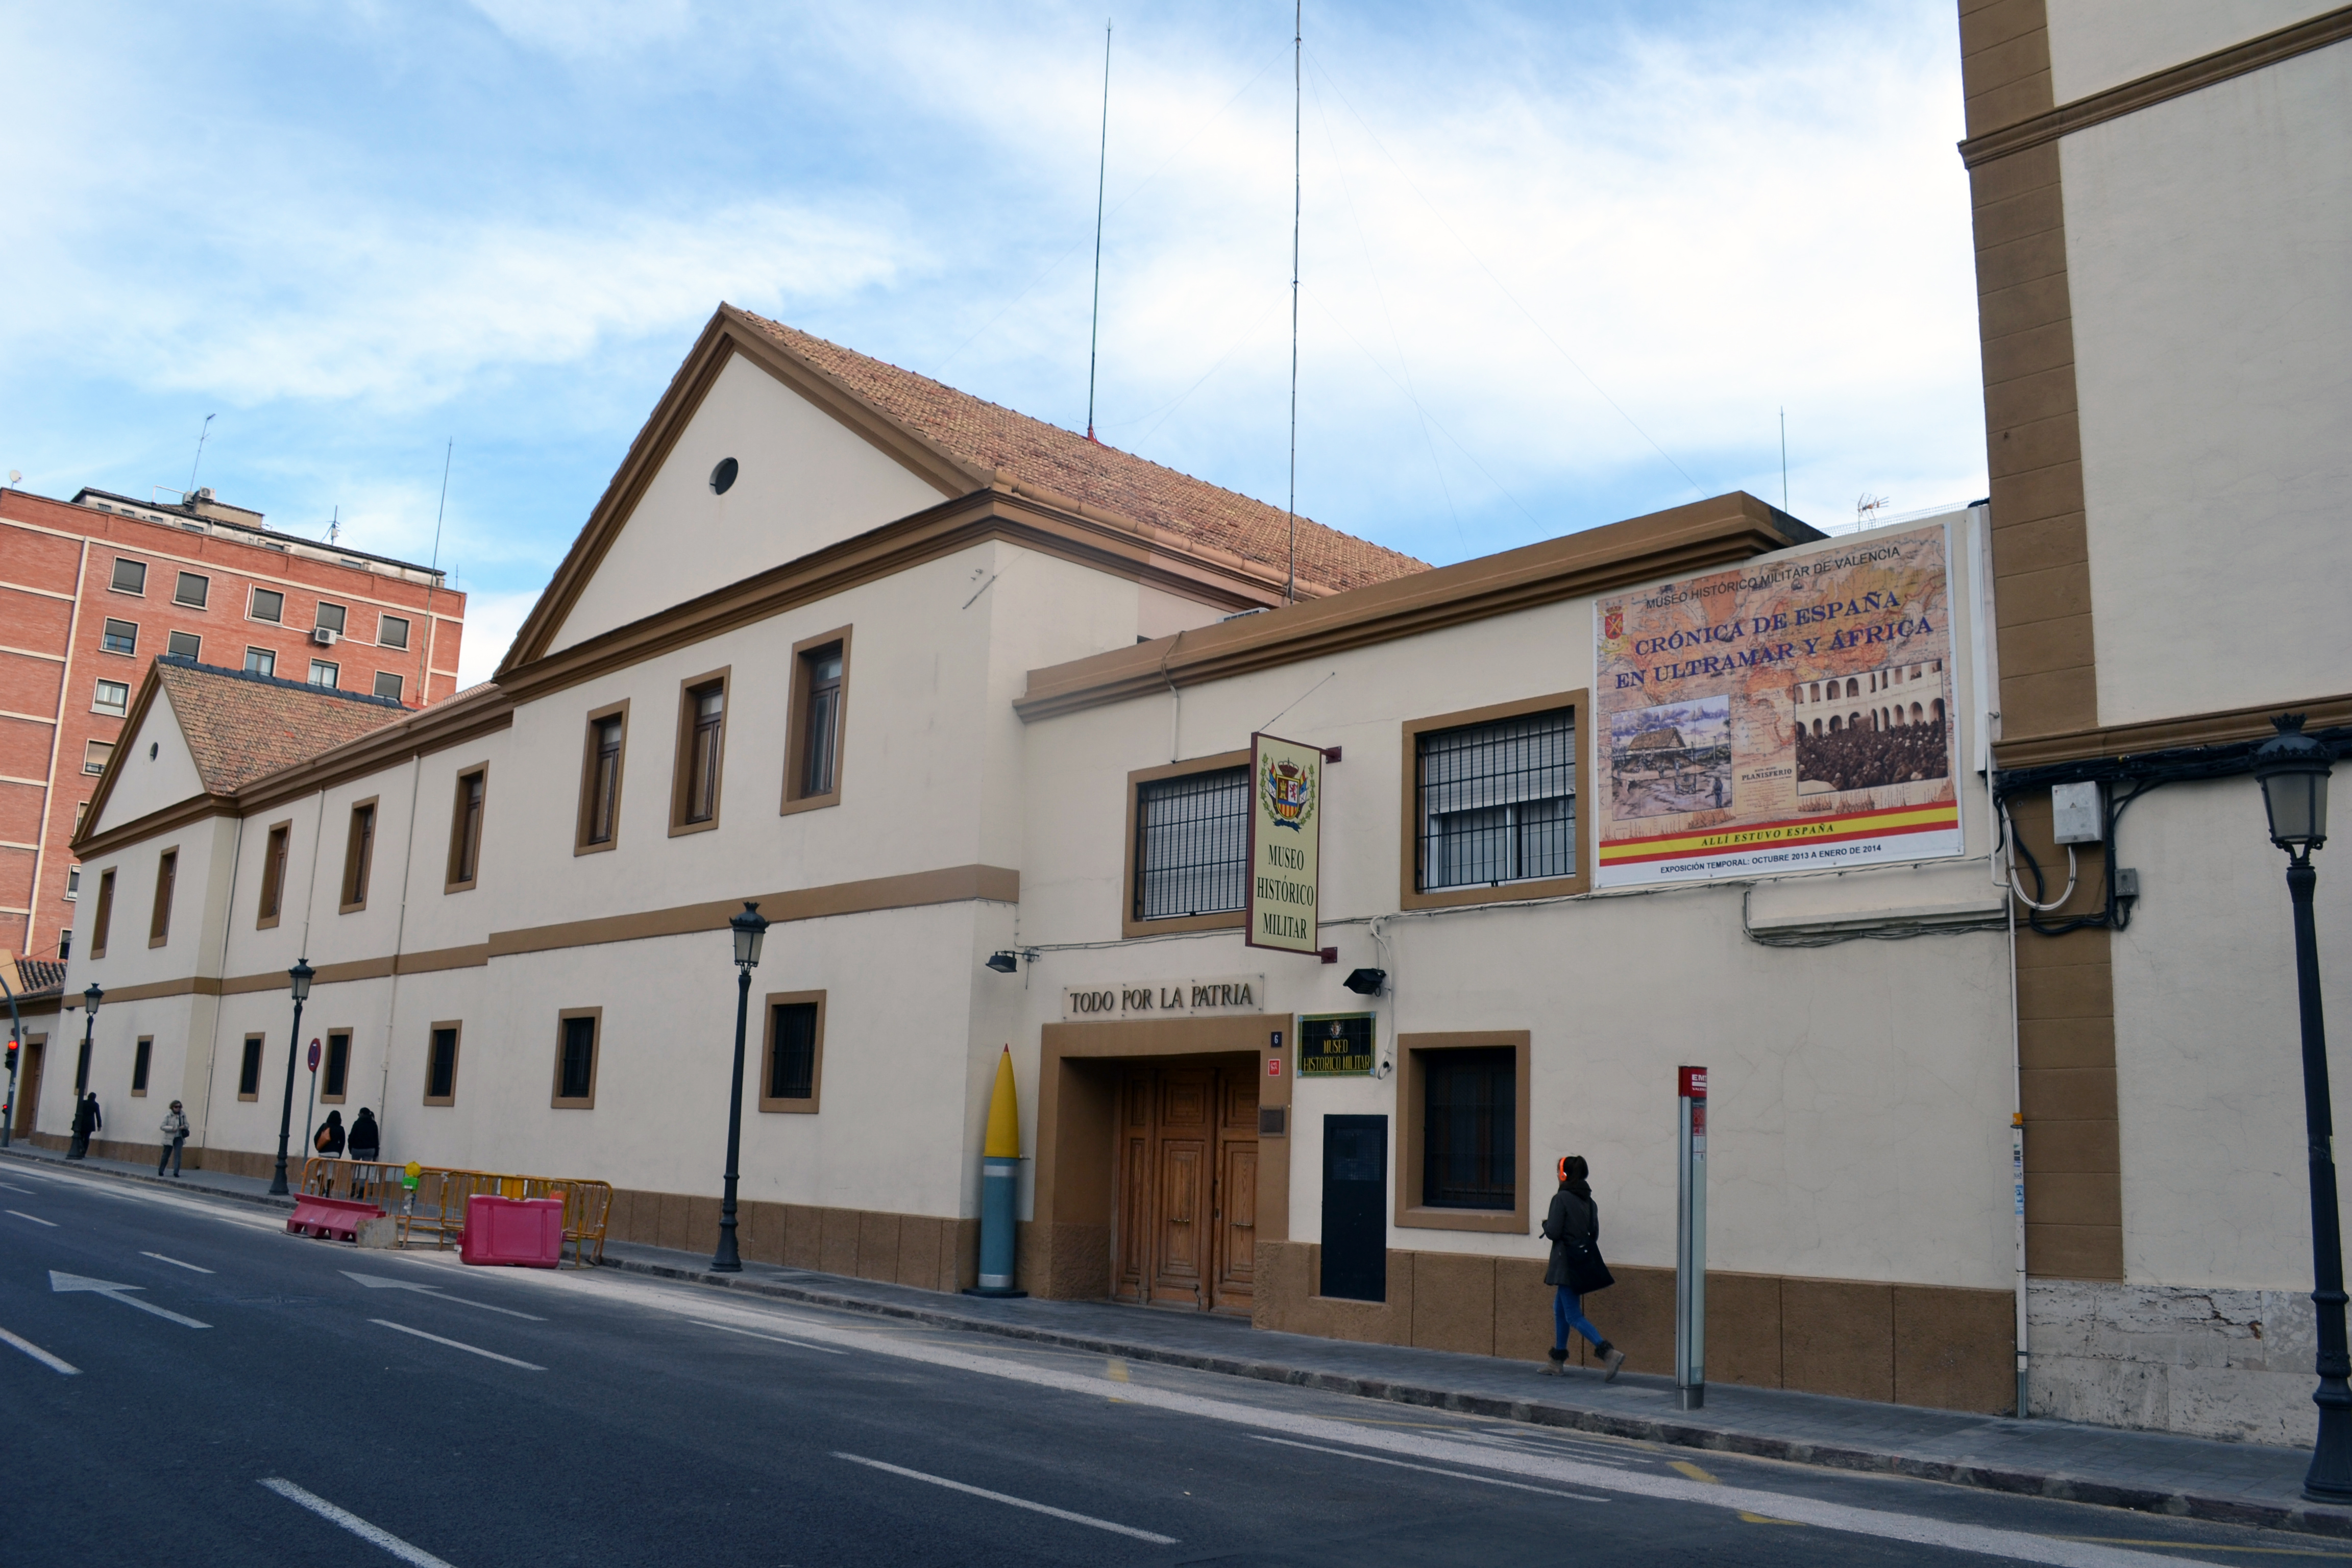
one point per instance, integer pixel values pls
(1187, 1160)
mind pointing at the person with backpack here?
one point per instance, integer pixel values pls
(329, 1141)
(176, 1137)
(364, 1140)
(1573, 1228)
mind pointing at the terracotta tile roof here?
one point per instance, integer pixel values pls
(988, 436)
(35, 977)
(241, 726)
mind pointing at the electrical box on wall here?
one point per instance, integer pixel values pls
(2075, 817)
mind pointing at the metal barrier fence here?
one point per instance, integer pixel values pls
(437, 1205)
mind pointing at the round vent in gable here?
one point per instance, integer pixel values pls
(722, 475)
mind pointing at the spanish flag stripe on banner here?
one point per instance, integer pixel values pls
(1828, 828)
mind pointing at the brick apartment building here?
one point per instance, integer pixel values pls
(93, 588)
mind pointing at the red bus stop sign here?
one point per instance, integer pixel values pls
(314, 1055)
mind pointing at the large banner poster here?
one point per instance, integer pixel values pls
(1784, 718)
(1285, 840)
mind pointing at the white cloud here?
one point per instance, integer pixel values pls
(491, 622)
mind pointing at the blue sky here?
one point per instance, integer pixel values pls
(1562, 263)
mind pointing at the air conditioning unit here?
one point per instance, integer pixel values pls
(325, 636)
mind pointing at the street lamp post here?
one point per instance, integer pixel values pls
(301, 975)
(2292, 769)
(90, 1001)
(748, 928)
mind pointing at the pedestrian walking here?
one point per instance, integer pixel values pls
(329, 1141)
(1573, 1228)
(176, 1137)
(86, 1122)
(363, 1140)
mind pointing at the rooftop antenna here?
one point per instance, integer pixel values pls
(205, 430)
(1784, 459)
(335, 524)
(1866, 508)
(1297, 150)
(425, 644)
(1102, 168)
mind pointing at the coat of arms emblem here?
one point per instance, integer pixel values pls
(1288, 791)
(1612, 624)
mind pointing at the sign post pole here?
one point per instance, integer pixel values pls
(310, 1104)
(1690, 1239)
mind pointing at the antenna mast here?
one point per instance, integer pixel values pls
(205, 430)
(1102, 167)
(1298, 146)
(424, 647)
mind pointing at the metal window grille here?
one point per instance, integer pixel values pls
(1467, 1156)
(792, 1065)
(1498, 801)
(1191, 844)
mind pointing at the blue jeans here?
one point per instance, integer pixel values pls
(1567, 1313)
(170, 1156)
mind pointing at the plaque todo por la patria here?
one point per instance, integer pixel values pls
(1113, 1001)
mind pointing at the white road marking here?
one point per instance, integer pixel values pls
(63, 1283)
(38, 1354)
(36, 1219)
(27, 1191)
(355, 1523)
(457, 1345)
(175, 1262)
(1429, 1469)
(1087, 1519)
(777, 1339)
(378, 1282)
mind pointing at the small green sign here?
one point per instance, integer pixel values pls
(1335, 1045)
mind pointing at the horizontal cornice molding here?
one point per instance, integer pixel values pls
(2215, 729)
(1707, 535)
(170, 819)
(2160, 87)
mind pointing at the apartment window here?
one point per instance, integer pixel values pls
(600, 779)
(1191, 840)
(268, 604)
(391, 631)
(795, 1052)
(820, 696)
(331, 617)
(338, 1075)
(65, 945)
(387, 684)
(119, 636)
(129, 576)
(273, 874)
(1491, 804)
(576, 1030)
(359, 855)
(260, 661)
(465, 830)
(701, 745)
(167, 876)
(73, 876)
(1463, 1133)
(185, 645)
(191, 591)
(112, 696)
(248, 1071)
(142, 1054)
(441, 1065)
(324, 673)
(94, 755)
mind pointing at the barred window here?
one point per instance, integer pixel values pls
(1498, 801)
(1467, 1158)
(1191, 844)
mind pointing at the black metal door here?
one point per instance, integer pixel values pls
(1355, 1207)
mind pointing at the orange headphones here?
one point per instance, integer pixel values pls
(1563, 1168)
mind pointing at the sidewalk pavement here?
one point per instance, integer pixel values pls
(2236, 1483)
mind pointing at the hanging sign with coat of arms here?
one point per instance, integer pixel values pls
(1285, 833)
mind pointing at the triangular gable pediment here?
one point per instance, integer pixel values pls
(136, 784)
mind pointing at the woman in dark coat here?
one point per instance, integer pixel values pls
(1574, 1217)
(330, 1137)
(363, 1140)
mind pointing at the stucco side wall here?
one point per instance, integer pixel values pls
(2098, 44)
(143, 784)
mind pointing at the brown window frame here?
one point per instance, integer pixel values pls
(359, 855)
(595, 1060)
(456, 1028)
(682, 777)
(466, 842)
(1131, 850)
(255, 1048)
(346, 1033)
(277, 849)
(167, 883)
(1412, 1109)
(797, 736)
(101, 924)
(142, 1061)
(1409, 893)
(768, 1005)
(580, 840)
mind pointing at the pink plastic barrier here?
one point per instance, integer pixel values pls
(524, 1232)
(335, 1218)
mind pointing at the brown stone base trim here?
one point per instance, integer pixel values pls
(923, 1250)
(1936, 1345)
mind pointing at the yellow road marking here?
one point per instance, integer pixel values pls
(1693, 1471)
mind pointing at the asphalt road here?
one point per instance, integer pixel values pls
(345, 1407)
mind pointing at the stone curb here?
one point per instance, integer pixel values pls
(1676, 1433)
(260, 1200)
